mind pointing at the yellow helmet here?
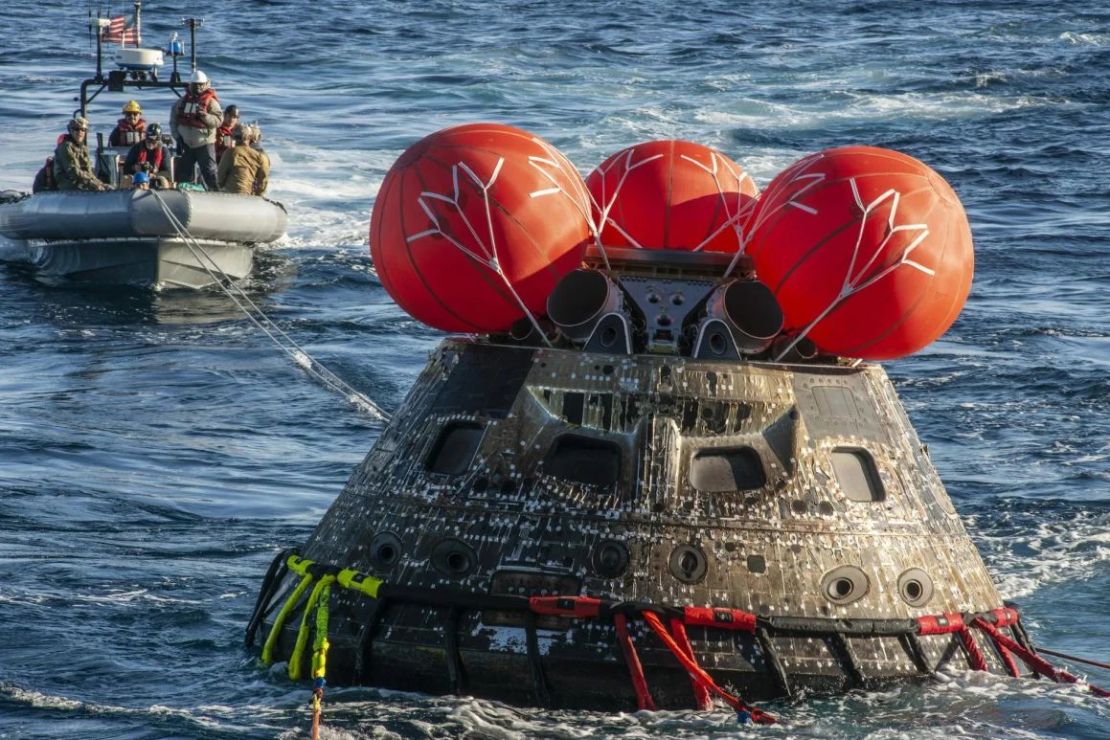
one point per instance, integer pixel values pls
(132, 106)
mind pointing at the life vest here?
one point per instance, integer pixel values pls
(155, 156)
(225, 139)
(128, 134)
(44, 178)
(193, 107)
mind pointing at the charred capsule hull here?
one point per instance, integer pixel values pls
(798, 493)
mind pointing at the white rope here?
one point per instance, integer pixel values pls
(267, 325)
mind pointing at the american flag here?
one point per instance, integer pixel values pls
(122, 30)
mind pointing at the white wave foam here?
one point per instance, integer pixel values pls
(1084, 39)
(1067, 550)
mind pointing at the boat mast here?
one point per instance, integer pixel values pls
(138, 23)
(193, 24)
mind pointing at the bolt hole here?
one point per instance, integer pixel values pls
(717, 344)
(386, 554)
(841, 588)
(608, 336)
(678, 299)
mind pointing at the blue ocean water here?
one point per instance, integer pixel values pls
(155, 451)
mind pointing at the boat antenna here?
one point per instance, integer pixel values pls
(138, 23)
(193, 24)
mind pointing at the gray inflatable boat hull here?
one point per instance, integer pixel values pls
(157, 262)
(126, 237)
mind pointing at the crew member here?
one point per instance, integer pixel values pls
(141, 181)
(262, 181)
(150, 157)
(129, 129)
(72, 164)
(244, 168)
(225, 136)
(193, 122)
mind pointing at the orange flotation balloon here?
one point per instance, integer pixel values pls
(473, 223)
(671, 195)
(867, 250)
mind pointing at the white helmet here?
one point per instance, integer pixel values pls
(198, 78)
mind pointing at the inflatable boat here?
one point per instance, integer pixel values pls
(183, 238)
(159, 238)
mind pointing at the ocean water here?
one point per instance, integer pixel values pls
(156, 451)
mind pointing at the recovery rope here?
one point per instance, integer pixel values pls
(961, 626)
(264, 323)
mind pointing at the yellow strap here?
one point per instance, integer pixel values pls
(352, 579)
(299, 565)
(321, 644)
(302, 633)
(279, 620)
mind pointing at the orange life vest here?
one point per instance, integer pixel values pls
(127, 133)
(193, 107)
(225, 139)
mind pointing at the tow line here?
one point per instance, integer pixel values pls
(313, 367)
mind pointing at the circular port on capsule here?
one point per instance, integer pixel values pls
(454, 558)
(915, 587)
(688, 563)
(385, 549)
(610, 559)
(845, 584)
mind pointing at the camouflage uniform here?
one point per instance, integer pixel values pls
(73, 167)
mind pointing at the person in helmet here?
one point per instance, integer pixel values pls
(225, 136)
(150, 156)
(194, 120)
(244, 169)
(72, 164)
(129, 129)
(141, 181)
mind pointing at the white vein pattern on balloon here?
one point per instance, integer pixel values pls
(811, 180)
(488, 247)
(860, 276)
(732, 220)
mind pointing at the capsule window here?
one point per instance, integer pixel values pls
(455, 447)
(859, 478)
(584, 460)
(727, 469)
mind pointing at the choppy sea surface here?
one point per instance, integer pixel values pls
(156, 451)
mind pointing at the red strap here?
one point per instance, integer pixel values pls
(940, 624)
(1005, 617)
(974, 654)
(1034, 661)
(635, 670)
(727, 619)
(758, 716)
(701, 694)
(574, 607)
(1007, 658)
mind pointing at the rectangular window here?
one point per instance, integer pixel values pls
(727, 469)
(859, 478)
(584, 460)
(455, 447)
